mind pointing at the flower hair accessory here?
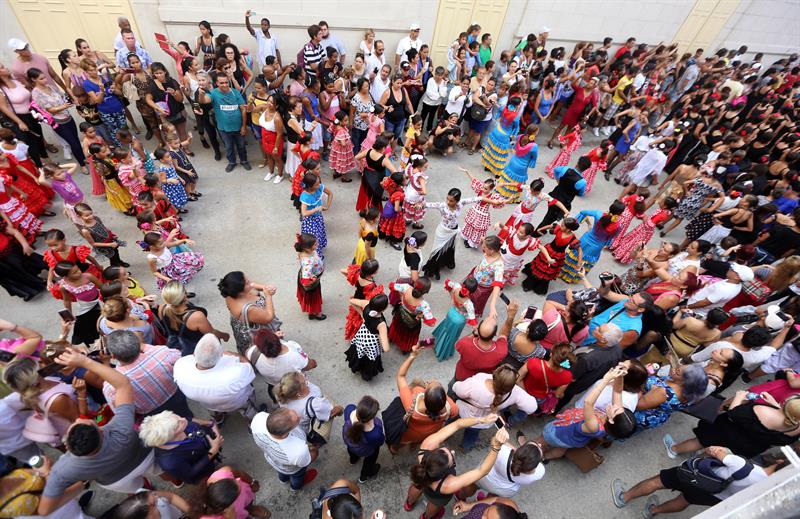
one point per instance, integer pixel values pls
(463, 292)
(412, 241)
(145, 226)
(418, 285)
(336, 121)
(296, 239)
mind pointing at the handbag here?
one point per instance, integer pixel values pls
(39, 428)
(319, 431)
(549, 404)
(395, 421)
(478, 112)
(164, 105)
(388, 210)
(698, 473)
(23, 498)
(586, 458)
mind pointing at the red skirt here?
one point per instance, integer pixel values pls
(480, 297)
(310, 300)
(268, 139)
(394, 227)
(37, 199)
(400, 334)
(540, 268)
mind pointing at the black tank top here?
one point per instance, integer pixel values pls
(399, 106)
(292, 135)
(374, 165)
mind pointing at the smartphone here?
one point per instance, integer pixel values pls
(50, 369)
(66, 315)
(499, 423)
(504, 298)
(530, 312)
(427, 343)
(7, 356)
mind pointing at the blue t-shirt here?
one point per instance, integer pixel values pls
(615, 314)
(574, 436)
(226, 109)
(312, 200)
(111, 103)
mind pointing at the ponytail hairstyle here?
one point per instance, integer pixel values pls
(527, 228)
(380, 143)
(366, 410)
(417, 239)
(492, 243)
(397, 177)
(504, 378)
(455, 193)
(174, 295)
(369, 214)
(639, 207)
(63, 268)
(526, 458)
(160, 153)
(22, 376)
(671, 203)
(571, 223)
(578, 314)
(530, 134)
(232, 284)
(421, 287)
(345, 506)
(470, 285)
(152, 238)
(608, 219)
(146, 220)
(537, 185)
(95, 148)
(289, 386)
(377, 304)
(505, 511)
(267, 342)
(304, 242)
(304, 139)
(433, 466)
(369, 267)
(309, 179)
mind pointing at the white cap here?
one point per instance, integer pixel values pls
(744, 273)
(545, 28)
(773, 321)
(17, 44)
(414, 27)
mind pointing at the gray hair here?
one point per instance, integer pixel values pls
(208, 351)
(694, 382)
(124, 345)
(612, 334)
(121, 19)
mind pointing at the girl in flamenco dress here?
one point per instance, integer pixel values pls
(605, 228)
(341, 157)
(309, 288)
(374, 130)
(362, 277)
(367, 235)
(392, 224)
(635, 206)
(532, 196)
(443, 252)
(25, 175)
(165, 265)
(515, 173)
(542, 269)
(376, 165)
(478, 221)
(302, 150)
(461, 313)
(415, 191)
(569, 143)
(17, 177)
(629, 245)
(598, 157)
(521, 240)
(58, 250)
(410, 313)
(494, 155)
(21, 217)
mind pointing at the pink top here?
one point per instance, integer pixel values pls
(20, 68)
(19, 97)
(11, 344)
(244, 500)
(86, 292)
(557, 333)
(49, 396)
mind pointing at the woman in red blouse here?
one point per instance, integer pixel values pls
(546, 380)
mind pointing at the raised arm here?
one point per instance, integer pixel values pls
(123, 389)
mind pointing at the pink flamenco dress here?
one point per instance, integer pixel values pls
(598, 164)
(243, 500)
(478, 220)
(626, 218)
(374, 129)
(569, 143)
(626, 250)
(341, 157)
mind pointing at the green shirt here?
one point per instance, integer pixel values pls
(485, 54)
(226, 109)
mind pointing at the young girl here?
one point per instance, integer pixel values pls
(82, 288)
(371, 339)
(367, 235)
(147, 222)
(415, 191)
(58, 251)
(309, 290)
(461, 312)
(134, 145)
(408, 269)
(413, 132)
(598, 157)
(443, 253)
(130, 171)
(410, 313)
(59, 178)
(532, 196)
(104, 242)
(592, 242)
(309, 161)
(634, 208)
(341, 157)
(569, 143)
(515, 172)
(311, 208)
(167, 266)
(171, 183)
(519, 241)
(374, 130)
(155, 200)
(90, 136)
(392, 225)
(118, 197)
(477, 221)
(544, 269)
(625, 252)
(489, 276)
(363, 278)
(183, 166)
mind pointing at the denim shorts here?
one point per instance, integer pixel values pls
(549, 434)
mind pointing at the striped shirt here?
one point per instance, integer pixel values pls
(151, 377)
(312, 55)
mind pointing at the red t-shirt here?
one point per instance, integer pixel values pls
(477, 360)
(535, 380)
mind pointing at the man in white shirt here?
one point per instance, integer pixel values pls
(123, 24)
(218, 381)
(131, 46)
(376, 60)
(329, 40)
(284, 445)
(715, 295)
(380, 83)
(411, 41)
(267, 42)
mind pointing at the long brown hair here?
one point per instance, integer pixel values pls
(504, 378)
(366, 410)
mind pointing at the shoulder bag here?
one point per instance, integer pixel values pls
(395, 421)
(39, 428)
(550, 401)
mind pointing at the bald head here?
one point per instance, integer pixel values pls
(487, 329)
(281, 421)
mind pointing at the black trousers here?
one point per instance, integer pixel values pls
(368, 466)
(553, 214)
(207, 128)
(428, 115)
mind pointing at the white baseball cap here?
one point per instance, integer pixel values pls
(17, 44)
(414, 27)
(773, 321)
(545, 28)
(744, 273)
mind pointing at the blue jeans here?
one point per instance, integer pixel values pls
(396, 128)
(234, 143)
(357, 136)
(295, 480)
(762, 257)
(471, 436)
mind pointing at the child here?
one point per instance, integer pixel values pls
(520, 240)
(545, 268)
(392, 225)
(569, 143)
(362, 277)
(58, 251)
(90, 136)
(118, 197)
(134, 145)
(634, 208)
(147, 222)
(165, 265)
(311, 208)
(82, 288)
(489, 276)
(461, 312)
(104, 242)
(443, 253)
(129, 288)
(532, 196)
(89, 112)
(183, 165)
(309, 290)
(598, 157)
(410, 313)
(371, 339)
(302, 149)
(341, 156)
(415, 191)
(412, 133)
(155, 200)
(367, 235)
(626, 249)
(59, 178)
(477, 221)
(130, 172)
(171, 183)
(374, 129)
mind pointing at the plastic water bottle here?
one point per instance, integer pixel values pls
(36, 461)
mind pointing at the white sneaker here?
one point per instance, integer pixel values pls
(596, 131)
(278, 179)
(608, 130)
(268, 177)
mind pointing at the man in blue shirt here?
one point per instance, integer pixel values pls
(131, 46)
(229, 110)
(625, 313)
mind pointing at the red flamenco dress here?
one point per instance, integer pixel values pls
(297, 178)
(309, 289)
(569, 143)
(19, 214)
(626, 218)
(392, 225)
(37, 196)
(354, 318)
(625, 252)
(76, 254)
(407, 318)
(598, 158)
(539, 272)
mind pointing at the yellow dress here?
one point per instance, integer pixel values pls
(364, 250)
(117, 196)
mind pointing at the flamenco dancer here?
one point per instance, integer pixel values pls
(367, 235)
(167, 266)
(309, 289)
(521, 240)
(375, 165)
(489, 276)
(570, 184)
(415, 191)
(498, 144)
(362, 277)
(477, 221)
(542, 270)
(372, 338)
(531, 198)
(17, 212)
(634, 208)
(526, 152)
(311, 208)
(443, 254)
(598, 157)
(410, 313)
(392, 225)
(605, 228)
(569, 143)
(461, 312)
(58, 250)
(629, 245)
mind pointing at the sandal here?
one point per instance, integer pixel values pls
(470, 152)
(345, 179)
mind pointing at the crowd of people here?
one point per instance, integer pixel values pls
(708, 141)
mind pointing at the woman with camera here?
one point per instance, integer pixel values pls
(186, 450)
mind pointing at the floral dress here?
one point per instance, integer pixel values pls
(626, 249)
(182, 266)
(695, 199)
(407, 319)
(626, 218)
(414, 202)
(523, 213)
(598, 164)
(309, 289)
(19, 214)
(392, 223)
(131, 176)
(341, 157)
(488, 274)
(175, 192)
(477, 221)
(656, 417)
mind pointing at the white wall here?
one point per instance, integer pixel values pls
(768, 26)
(9, 28)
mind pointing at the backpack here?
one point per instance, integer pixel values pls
(698, 473)
(324, 495)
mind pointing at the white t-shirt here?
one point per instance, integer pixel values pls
(474, 391)
(273, 369)
(405, 44)
(497, 482)
(456, 100)
(752, 359)
(266, 46)
(732, 464)
(366, 48)
(287, 456)
(629, 400)
(717, 294)
(12, 422)
(378, 87)
(223, 388)
(320, 407)
(373, 62)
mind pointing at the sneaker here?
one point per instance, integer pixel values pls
(669, 443)
(616, 493)
(278, 179)
(268, 177)
(246, 166)
(596, 131)
(607, 131)
(375, 473)
(86, 499)
(651, 503)
(229, 168)
(217, 156)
